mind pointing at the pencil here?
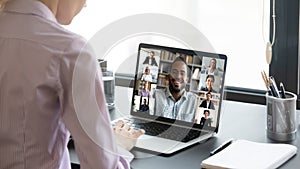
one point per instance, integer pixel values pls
(267, 83)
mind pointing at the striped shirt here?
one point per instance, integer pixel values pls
(183, 109)
(50, 85)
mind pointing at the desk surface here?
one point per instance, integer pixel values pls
(239, 120)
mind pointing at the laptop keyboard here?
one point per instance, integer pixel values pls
(166, 131)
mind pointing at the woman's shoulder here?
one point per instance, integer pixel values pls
(56, 33)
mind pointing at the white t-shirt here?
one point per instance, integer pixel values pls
(147, 78)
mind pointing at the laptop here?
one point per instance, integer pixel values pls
(177, 97)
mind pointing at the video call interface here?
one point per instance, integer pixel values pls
(178, 85)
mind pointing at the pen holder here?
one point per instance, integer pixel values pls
(281, 117)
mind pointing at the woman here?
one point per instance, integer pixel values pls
(212, 70)
(206, 121)
(147, 76)
(209, 82)
(50, 84)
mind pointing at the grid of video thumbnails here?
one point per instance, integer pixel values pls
(204, 80)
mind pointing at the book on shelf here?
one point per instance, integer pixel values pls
(163, 80)
(164, 68)
(248, 154)
(189, 59)
(196, 74)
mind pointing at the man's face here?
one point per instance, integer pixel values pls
(147, 71)
(208, 96)
(178, 76)
(151, 55)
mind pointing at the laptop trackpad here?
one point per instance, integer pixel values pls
(158, 144)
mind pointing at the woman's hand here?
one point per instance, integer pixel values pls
(126, 136)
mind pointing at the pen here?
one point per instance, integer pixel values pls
(273, 87)
(282, 89)
(221, 147)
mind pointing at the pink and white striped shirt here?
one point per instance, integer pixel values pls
(45, 93)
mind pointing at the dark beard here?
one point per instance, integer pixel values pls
(173, 90)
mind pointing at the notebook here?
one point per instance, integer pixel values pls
(169, 88)
(248, 154)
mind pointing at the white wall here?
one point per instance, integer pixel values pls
(231, 27)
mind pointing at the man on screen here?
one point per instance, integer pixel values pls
(150, 59)
(144, 106)
(174, 101)
(208, 103)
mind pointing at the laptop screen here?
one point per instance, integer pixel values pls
(179, 86)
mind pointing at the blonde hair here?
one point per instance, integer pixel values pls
(2, 3)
